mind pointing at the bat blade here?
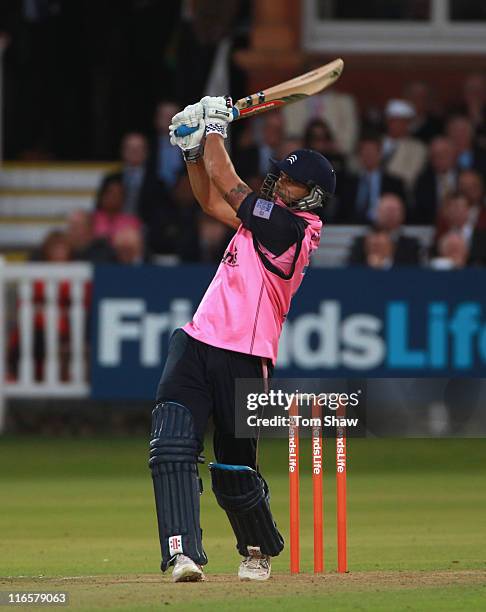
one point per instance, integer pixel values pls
(289, 92)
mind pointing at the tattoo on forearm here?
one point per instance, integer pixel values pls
(235, 196)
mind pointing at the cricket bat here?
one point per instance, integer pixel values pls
(288, 92)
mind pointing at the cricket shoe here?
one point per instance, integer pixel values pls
(256, 566)
(185, 570)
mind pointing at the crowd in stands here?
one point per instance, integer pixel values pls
(412, 166)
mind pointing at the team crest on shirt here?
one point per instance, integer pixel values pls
(230, 258)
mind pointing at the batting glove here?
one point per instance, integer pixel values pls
(217, 114)
(192, 145)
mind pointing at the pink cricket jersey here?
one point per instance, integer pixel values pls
(245, 305)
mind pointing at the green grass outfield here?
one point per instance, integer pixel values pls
(77, 515)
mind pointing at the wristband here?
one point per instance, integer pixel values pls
(192, 155)
(216, 128)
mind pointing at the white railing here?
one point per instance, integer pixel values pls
(63, 371)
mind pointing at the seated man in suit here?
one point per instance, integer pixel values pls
(456, 219)
(471, 184)
(255, 148)
(165, 163)
(437, 180)
(132, 174)
(378, 250)
(358, 195)
(389, 220)
(452, 252)
(469, 156)
(145, 195)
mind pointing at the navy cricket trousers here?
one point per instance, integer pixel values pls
(202, 378)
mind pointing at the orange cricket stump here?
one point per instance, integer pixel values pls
(317, 491)
(342, 560)
(294, 490)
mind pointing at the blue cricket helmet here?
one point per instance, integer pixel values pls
(311, 169)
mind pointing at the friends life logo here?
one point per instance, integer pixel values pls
(449, 339)
(434, 337)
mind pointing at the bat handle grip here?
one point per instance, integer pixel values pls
(185, 130)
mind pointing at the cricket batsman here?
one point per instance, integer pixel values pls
(234, 334)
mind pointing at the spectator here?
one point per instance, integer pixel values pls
(452, 253)
(402, 155)
(56, 248)
(253, 158)
(389, 219)
(473, 105)
(109, 217)
(358, 195)
(85, 246)
(456, 219)
(144, 194)
(271, 141)
(165, 161)
(378, 250)
(129, 246)
(469, 157)
(134, 156)
(437, 180)
(319, 137)
(426, 125)
(456, 213)
(133, 173)
(471, 184)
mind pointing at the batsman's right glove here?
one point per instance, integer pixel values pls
(192, 144)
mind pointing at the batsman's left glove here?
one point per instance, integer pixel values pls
(218, 113)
